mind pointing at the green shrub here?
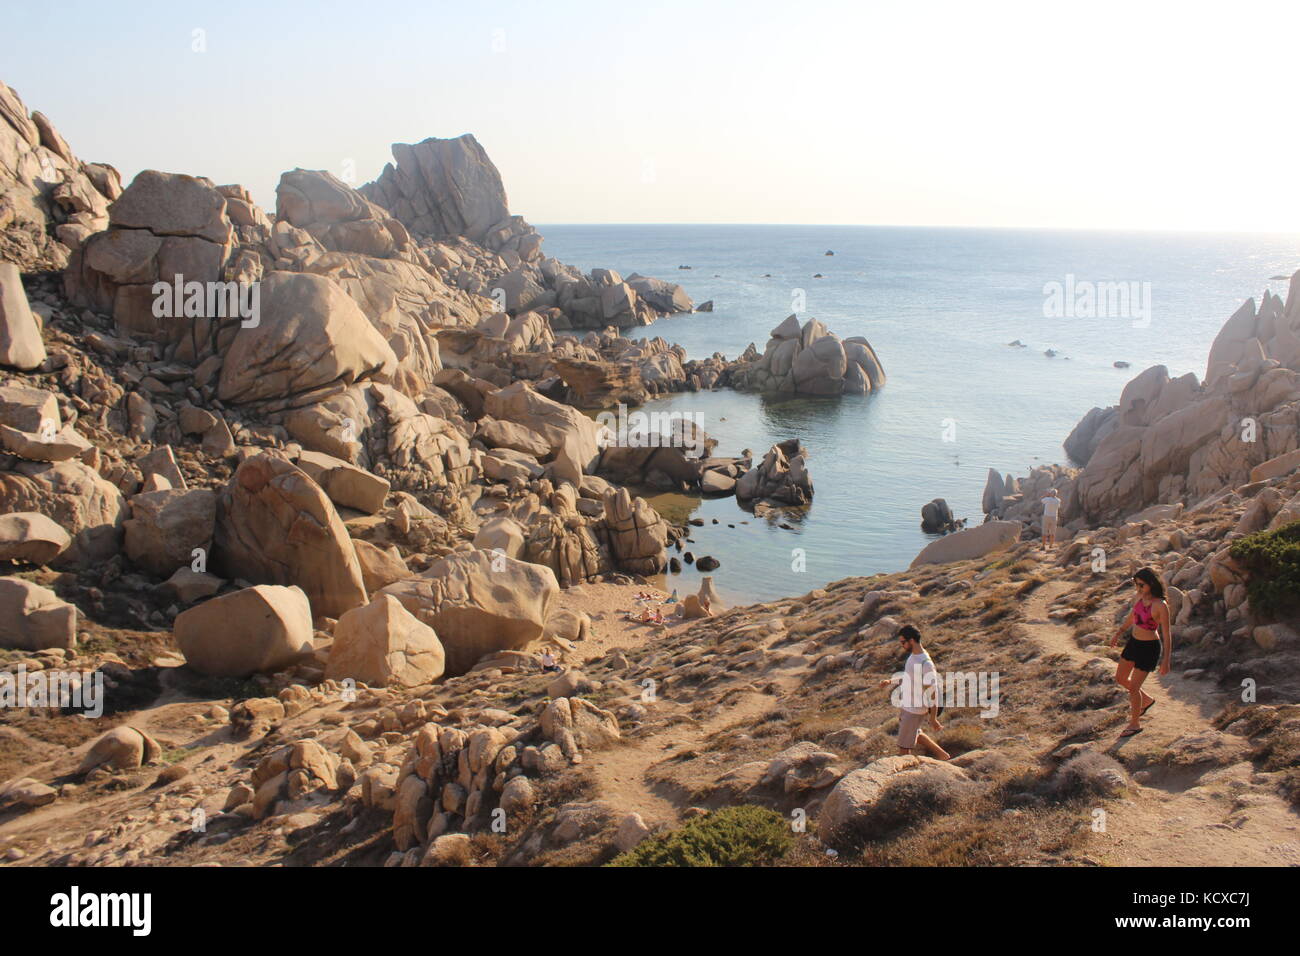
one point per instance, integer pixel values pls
(1272, 563)
(732, 836)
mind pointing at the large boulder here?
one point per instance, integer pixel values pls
(859, 791)
(29, 409)
(172, 204)
(166, 527)
(479, 602)
(970, 543)
(275, 525)
(20, 334)
(122, 748)
(258, 629)
(382, 643)
(1091, 429)
(666, 297)
(379, 567)
(33, 618)
(347, 485)
(31, 538)
(503, 534)
(407, 305)
(311, 340)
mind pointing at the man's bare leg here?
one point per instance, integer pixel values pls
(937, 752)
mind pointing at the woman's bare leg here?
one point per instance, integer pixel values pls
(1136, 699)
(1122, 672)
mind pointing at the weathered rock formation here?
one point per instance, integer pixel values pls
(810, 360)
(49, 200)
(1174, 440)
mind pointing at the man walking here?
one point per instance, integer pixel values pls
(1051, 505)
(913, 701)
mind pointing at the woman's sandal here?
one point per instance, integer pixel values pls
(1148, 706)
(1130, 731)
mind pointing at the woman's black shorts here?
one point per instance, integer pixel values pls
(1145, 655)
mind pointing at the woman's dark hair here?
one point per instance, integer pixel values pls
(909, 632)
(1151, 580)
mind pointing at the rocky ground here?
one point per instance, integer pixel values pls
(774, 704)
(312, 537)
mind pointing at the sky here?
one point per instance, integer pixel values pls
(1098, 115)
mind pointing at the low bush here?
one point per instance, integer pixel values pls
(732, 836)
(1272, 563)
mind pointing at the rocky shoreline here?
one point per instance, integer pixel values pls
(306, 491)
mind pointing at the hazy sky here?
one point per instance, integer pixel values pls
(1098, 114)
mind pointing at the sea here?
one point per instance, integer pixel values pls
(940, 307)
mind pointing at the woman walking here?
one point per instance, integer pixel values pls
(1149, 622)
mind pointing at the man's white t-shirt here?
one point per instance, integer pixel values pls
(918, 673)
(1051, 505)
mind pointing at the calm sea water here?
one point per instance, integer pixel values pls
(939, 306)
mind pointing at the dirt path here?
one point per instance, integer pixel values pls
(1177, 814)
(620, 772)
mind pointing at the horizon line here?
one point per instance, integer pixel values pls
(894, 225)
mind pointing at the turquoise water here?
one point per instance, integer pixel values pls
(939, 306)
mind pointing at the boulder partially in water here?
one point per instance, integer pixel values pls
(811, 360)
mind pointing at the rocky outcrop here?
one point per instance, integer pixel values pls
(637, 533)
(781, 478)
(809, 360)
(1171, 440)
(571, 436)
(74, 496)
(568, 543)
(601, 384)
(936, 518)
(449, 187)
(1091, 430)
(49, 200)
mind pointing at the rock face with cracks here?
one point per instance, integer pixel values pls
(276, 526)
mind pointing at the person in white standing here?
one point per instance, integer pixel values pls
(911, 696)
(1051, 505)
